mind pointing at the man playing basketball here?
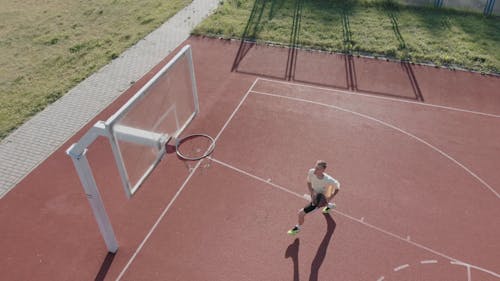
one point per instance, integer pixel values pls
(320, 185)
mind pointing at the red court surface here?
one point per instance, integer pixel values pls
(415, 148)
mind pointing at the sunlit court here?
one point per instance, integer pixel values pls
(418, 174)
(401, 210)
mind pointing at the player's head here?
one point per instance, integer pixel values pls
(320, 165)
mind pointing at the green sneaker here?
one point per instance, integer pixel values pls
(328, 208)
(294, 230)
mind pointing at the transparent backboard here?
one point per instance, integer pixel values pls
(158, 112)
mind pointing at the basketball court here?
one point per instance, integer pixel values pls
(415, 149)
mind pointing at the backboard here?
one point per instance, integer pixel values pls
(157, 113)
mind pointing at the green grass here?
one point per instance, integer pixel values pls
(48, 47)
(444, 37)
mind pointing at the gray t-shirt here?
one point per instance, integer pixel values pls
(319, 185)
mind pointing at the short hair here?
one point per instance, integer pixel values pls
(321, 163)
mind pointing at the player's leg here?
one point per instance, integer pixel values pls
(301, 218)
(320, 200)
(329, 204)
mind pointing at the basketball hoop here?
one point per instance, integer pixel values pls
(194, 147)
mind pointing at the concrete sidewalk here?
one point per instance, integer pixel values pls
(28, 146)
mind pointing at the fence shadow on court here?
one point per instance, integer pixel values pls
(258, 64)
(341, 71)
(250, 33)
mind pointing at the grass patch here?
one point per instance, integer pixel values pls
(445, 37)
(47, 47)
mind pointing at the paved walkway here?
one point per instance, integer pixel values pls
(28, 146)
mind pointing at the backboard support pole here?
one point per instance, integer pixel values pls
(77, 153)
(140, 130)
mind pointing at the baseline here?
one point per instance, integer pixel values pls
(337, 92)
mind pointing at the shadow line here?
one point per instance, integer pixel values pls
(252, 28)
(294, 39)
(323, 247)
(393, 13)
(346, 10)
(346, 27)
(323, 85)
(352, 82)
(413, 80)
(405, 65)
(250, 34)
(106, 264)
(260, 74)
(254, 25)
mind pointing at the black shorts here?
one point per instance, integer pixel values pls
(318, 201)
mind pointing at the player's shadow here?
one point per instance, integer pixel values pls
(323, 247)
(292, 251)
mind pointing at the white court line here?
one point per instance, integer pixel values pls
(484, 183)
(401, 267)
(381, 278)
(469, 277)
(428, 261)
(139, 248)
(469, 266)
(420, 246)
(256, 177)
(235, 110)
(383, 98)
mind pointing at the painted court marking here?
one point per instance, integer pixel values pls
(191, 173)
(155, 225)
(268, 182)
(483, 182)
(420, 246)
(337, 92)
(468, 266)
(401, 267)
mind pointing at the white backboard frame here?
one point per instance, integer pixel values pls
(156, 140)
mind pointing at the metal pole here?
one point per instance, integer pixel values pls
(488, 8)
(89, 185)
(438, 3)
(193, 79)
